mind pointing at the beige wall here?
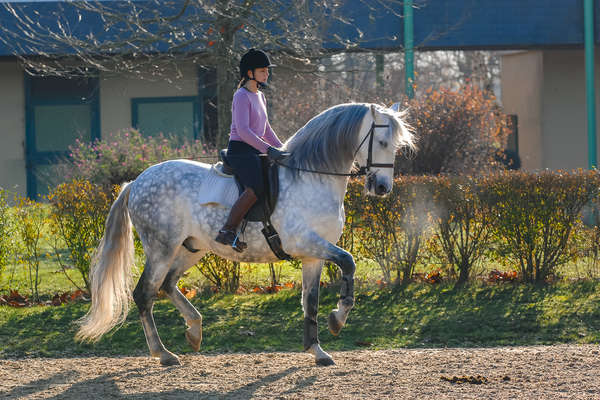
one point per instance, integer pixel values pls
(12, 128)
(116, 93)
(564, 109)
(522, 90)
(547, 92)
(115, 112)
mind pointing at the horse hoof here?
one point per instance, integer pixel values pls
(168, 359)
(193, 334)
(325, 362)
(334, 324)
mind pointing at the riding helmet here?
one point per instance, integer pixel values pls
(254, 59)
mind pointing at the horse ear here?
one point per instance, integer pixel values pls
(373, 109)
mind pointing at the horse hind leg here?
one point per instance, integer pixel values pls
(311, 276)
(193, 318)
(144, 294)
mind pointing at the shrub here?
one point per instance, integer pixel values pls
(31, 220)
(6, 232)
(462, 222)
(222, 273)
(78, 214)
(534, 216)
(459, 132)
(124, 155)
(393, 228)
(588, 245)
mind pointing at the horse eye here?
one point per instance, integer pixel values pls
(383, 144)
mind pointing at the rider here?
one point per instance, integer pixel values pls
(250, 135)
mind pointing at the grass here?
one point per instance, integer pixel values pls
(416, 316)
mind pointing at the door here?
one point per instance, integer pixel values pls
(58, 112)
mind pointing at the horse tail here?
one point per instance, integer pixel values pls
(110, 274)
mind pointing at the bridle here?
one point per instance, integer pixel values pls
(364, 170)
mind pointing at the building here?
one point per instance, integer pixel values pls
(543, 82)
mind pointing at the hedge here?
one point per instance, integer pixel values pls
(528, 222)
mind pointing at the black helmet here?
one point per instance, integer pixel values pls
(254, 59)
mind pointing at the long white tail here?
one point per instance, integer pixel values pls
(110, 274)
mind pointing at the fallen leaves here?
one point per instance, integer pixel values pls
(15, 299)
(189, 293)
(273, 288)
(432, 278)
(502, 276)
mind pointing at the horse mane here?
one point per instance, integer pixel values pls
(328, 141)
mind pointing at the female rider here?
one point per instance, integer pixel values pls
(250, 135)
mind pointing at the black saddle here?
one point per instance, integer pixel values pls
(263, 208)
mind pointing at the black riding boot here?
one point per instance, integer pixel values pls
(228, 234)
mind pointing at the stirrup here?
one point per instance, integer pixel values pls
(231, 238)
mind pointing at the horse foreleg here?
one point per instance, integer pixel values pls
(193, 318)
(337, 317)
(144, 295)
(311, 276)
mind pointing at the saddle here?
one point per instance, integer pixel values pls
(263, 208)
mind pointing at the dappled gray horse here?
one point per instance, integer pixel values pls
(178, 206)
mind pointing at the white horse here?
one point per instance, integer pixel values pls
(178, 206)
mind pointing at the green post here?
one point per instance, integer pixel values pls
(409, 55)
(379, 65)
(590, 82)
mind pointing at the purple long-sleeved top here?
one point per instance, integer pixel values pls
(250, 122)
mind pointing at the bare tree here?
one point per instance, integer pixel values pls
(152, 39)
(126, 37)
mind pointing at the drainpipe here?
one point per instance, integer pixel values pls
(409, 55)
(588, 12)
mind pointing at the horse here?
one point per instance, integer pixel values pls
(178, 206)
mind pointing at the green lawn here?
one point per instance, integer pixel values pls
(418, 316)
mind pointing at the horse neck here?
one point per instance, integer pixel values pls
(337, 185)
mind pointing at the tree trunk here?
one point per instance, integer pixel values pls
(225, 89)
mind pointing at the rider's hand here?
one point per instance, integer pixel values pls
(275, 154)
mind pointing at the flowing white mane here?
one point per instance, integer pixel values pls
(329, 140)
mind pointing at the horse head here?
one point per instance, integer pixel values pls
(382, 133)
(342, 136)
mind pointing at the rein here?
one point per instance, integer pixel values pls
(364, 170)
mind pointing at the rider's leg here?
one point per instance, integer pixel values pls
(228, 233)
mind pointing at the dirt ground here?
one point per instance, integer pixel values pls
(541, 372)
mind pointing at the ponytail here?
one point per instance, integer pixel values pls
(242, 82)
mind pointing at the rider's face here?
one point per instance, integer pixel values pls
(260, 74)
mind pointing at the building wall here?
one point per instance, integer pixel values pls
(546, 89)
(116, 93)
(564, 109)
(12, 128)
(522, 90)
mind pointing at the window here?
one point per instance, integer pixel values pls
(171, 116)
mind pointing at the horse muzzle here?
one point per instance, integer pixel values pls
(378, 185)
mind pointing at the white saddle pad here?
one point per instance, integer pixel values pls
(219, 188)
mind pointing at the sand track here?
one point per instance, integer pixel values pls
(539, 372)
